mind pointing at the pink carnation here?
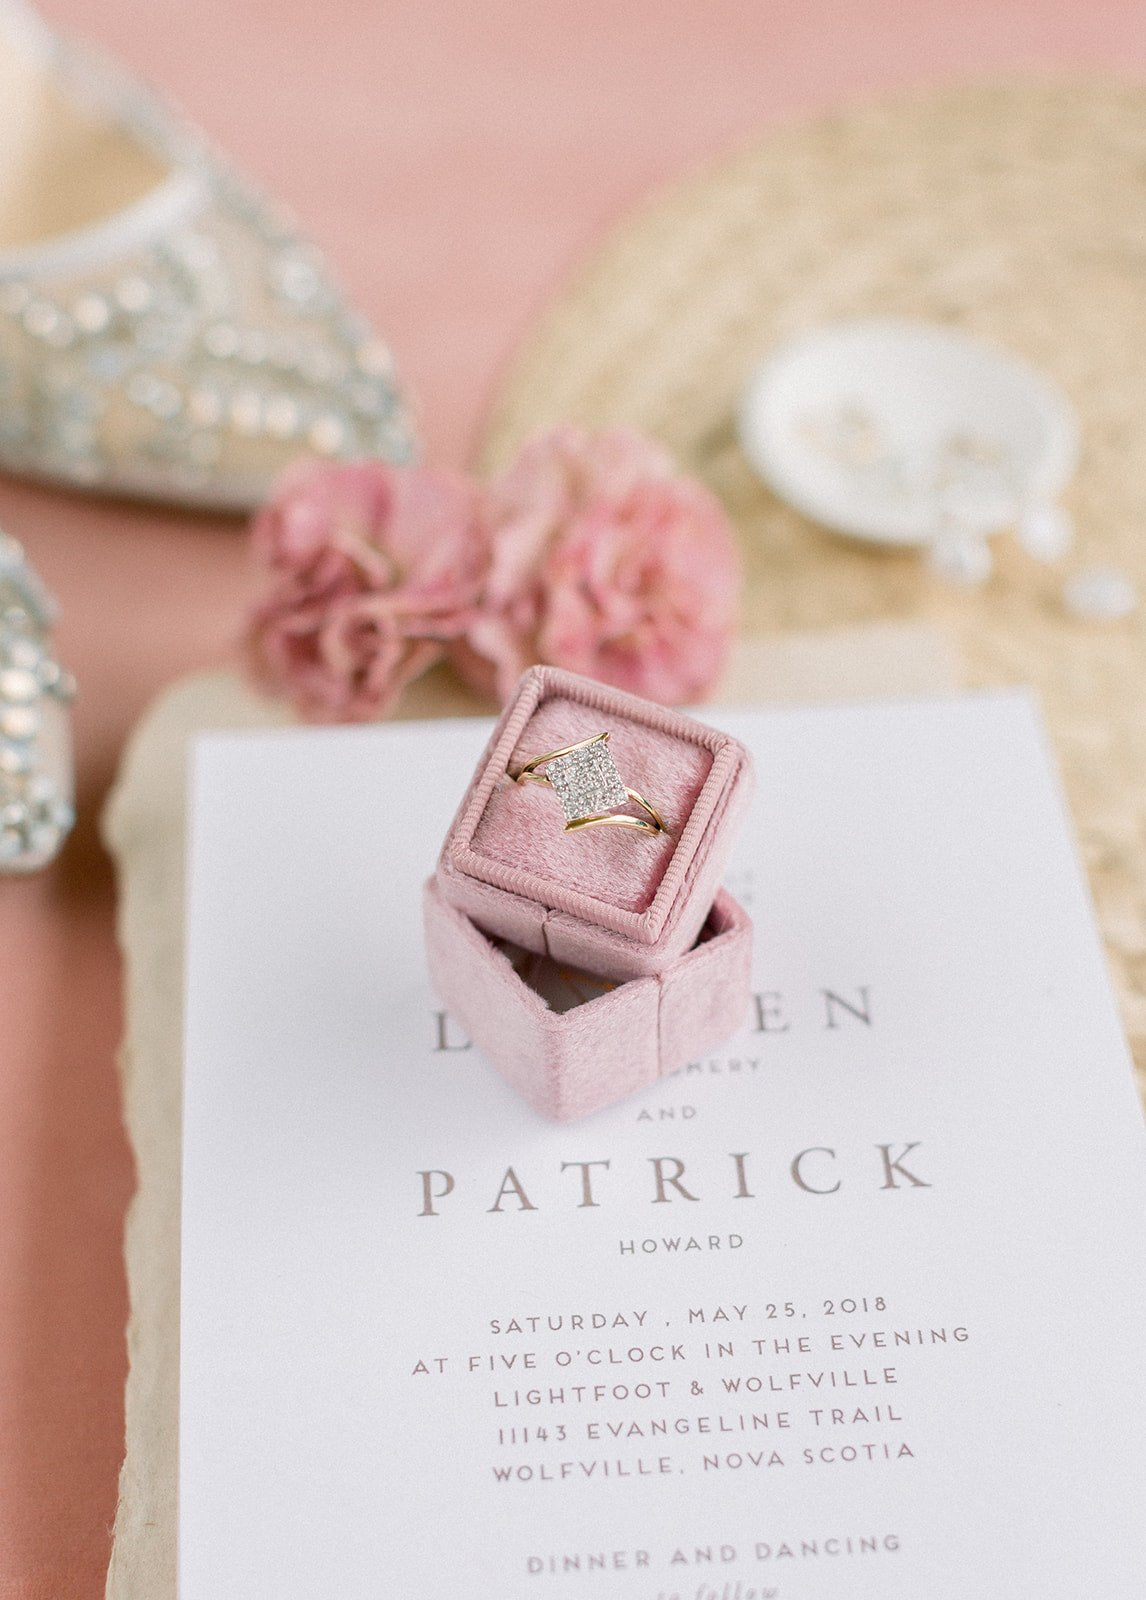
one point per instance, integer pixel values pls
(373, 569)
(604, 561)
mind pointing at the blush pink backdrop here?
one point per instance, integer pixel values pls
(453, 158)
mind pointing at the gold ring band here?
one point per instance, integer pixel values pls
(591, 790)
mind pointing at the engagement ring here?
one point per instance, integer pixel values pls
(591, 790)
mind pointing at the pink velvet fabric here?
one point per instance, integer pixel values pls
(569, 1063)
(617, 903)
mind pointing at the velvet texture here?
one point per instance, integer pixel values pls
(571, 1062)
(617, 903)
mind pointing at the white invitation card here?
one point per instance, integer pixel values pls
(853, 1307)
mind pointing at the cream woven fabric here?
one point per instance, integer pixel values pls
(1015, 211)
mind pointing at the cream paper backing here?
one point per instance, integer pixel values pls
(144, 827)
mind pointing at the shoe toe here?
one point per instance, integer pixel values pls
(193, 367)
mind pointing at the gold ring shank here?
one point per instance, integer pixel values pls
(652, 823)
(529, 773)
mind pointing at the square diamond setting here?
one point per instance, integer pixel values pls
(586, 781)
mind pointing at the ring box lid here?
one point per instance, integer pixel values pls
(617, 901)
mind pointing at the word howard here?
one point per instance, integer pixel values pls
(817, 1170)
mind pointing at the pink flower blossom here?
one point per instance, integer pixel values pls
(604, 561)
(373, 569)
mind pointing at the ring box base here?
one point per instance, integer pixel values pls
(592, 1041)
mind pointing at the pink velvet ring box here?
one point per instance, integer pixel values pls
(616, 902)
(570, 1042)
(585, 965)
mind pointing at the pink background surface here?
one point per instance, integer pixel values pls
(453, 159)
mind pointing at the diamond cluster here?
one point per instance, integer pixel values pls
(586, 781)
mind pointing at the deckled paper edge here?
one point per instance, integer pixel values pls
(144, 827)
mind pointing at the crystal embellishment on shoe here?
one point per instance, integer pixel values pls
(191, 344)
(36, 812)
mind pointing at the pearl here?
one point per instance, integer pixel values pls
(327, 434)
(1046, 532)
(282, 417)
(18, 685)
(298, 281)
(1099, 594)
(41, 319)
(961, 558)
(15, 759)
(21, 723)
(92, 313)
(24, 653)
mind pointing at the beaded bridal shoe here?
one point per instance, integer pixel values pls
(163, 333)
(35, 735)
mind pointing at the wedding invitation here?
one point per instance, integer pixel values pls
(854, 1307)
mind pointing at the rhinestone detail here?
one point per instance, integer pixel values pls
(196, 366)
(35, 815)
